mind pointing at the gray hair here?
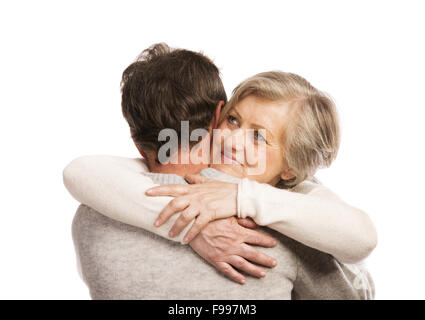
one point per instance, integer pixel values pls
(312, 138)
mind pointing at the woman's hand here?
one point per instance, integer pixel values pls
(204, 201)
(225, 244)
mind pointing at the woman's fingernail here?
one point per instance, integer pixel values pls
(263, 274)
(243, 281)
(274, 263)
(171, 234)
(148, 192)
(156, 224)
(185, 239)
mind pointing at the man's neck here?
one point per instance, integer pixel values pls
(181, 162)
(179, 169)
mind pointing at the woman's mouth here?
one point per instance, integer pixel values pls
(229, 159)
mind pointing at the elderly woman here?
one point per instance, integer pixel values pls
(295, 132)
(300, 134)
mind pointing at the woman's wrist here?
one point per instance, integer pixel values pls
(246, 204)
(238, 202)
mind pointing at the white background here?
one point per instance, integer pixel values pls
(60, 70)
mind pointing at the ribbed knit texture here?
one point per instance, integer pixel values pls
(119, 261)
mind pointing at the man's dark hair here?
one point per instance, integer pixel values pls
(165, 86)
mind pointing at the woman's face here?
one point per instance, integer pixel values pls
(255, 131)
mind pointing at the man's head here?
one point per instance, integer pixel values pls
(165, 86)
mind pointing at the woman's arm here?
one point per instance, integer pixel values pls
(312, 215)
(114, 187)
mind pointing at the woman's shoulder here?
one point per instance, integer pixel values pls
(308, 185)
(314, 186)
(314, 180)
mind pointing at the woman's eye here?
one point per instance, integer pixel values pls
(232, 120)
(258, 136)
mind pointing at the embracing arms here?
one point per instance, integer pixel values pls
(311, 213)
(115, 187)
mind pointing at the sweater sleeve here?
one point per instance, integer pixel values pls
(115, 187)
(266, 204)
(311, 214)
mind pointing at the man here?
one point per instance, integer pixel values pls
(160, 90)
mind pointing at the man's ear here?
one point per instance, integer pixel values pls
(217, 113)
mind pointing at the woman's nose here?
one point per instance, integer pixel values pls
(235, 141)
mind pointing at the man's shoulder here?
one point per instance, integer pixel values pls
(91, 226)
(321, 276)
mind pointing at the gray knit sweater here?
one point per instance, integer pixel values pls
(119, 261)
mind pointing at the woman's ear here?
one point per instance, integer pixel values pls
(288, 175)
(217, 114)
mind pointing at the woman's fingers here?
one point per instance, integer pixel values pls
(230, 272)
(247, 223)
(174, 206)
(196, 178)
(243, 265)
(259, 239)
(172, 190)
(200, 222)
(183, 220)
(257, 256)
